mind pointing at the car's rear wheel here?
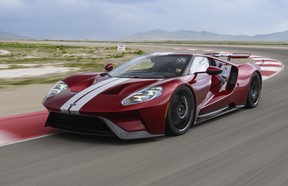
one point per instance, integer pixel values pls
(180, 114)
(254, 91)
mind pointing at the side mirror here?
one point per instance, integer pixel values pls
(211, 70)
(108, 67)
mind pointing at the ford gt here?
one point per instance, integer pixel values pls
(153, 95)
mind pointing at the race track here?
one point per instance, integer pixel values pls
(246, 147)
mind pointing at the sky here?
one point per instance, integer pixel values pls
(115, 19)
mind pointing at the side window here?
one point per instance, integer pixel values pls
(212, 62)
(218, 63)
(199, 64)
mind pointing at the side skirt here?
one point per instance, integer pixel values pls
(222, 111)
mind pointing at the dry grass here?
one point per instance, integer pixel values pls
(85, 58)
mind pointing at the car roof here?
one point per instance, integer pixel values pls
(171, 53)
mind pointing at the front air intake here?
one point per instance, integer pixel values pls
(79, 124)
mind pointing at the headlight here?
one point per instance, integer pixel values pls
(59, 87)
(146, 94)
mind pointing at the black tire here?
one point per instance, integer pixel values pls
(254, 92)
(181, 111)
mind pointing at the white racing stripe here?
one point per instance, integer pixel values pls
(72, 100)
(85, 99)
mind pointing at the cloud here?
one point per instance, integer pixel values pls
(113, 19)
(129, 1)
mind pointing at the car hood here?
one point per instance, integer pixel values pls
(102, 93)
(112, 85)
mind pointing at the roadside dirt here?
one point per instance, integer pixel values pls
(22, 99)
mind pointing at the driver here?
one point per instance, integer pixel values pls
(180, 63)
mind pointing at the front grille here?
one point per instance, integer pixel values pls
(79, 124)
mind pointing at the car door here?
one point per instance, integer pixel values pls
(202, 81)
(210, 87)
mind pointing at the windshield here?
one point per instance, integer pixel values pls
(153, 66)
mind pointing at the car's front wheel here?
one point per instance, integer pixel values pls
(180, 114)
(254, 91)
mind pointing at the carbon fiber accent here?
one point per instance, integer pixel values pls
(78, 124)
(92, 125)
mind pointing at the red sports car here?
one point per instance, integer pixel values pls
(153, 95)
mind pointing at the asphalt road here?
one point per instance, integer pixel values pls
(247, 147)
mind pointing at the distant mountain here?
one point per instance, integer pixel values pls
(160, 35)
(277, 36)
(7, 35)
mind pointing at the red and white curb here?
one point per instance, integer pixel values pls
(23, 127)
(269, 67)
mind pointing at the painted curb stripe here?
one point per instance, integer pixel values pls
(23, 127)
(270, 68)
(268, 73)
(266, 60)
(269, 65)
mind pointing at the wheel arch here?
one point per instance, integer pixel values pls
(249, 101)
(260, 75)
(250, 79)
(189, 87)
(194, 99)
(195, 114)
